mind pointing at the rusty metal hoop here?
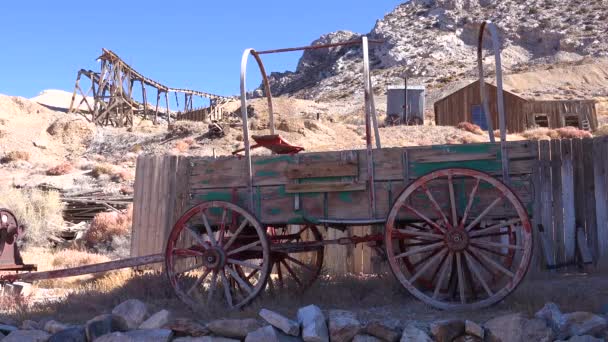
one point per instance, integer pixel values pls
(463, 254)
(221, 241)
(303, 270)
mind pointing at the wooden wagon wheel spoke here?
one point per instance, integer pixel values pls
(199, 281)
(444, 268)
(477, 273)
(208, 229)
(298, 262)
(483, 214)
(420, 250)
(249, 249)
(280, 274)
(424, 217)
(491, 262)
(436, 206)
(240, 280)
(464, 266)
(244, 248)
(292, 273)
(470, 202)
(226, 287)
(420, 234)
(236, 233)
(494, 228)
(452, 201)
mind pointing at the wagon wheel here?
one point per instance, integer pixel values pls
(465, 254)
(296, 257)
(217, 249)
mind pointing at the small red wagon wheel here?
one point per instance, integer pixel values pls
(297, 257)
(217, 249)
(468, 253)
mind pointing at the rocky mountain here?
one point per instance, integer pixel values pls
(434, 42)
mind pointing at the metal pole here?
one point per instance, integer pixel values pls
(246, 126)
(406, 109)
(368, 138)
(482, 85)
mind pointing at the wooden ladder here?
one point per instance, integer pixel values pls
(586, 125)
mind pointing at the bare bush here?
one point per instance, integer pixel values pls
(572, 133)
(61, 169)
(14, 156)
(469, 127)
(182, 146)
(105, 227)
(102, 169)
(184, 128)
(543, 133)
(122, 176)
(40, 211)
(601, 131)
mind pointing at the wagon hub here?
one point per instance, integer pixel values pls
(457, 239)
(214, 258)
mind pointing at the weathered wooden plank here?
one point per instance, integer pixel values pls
(600, 154)
(322, 169)
(583, 250)
(558, 205)
(324, 187)
(137, 204)
(537, 262)
(546, 195)
(568, 201)
(149, 201)
(494, 168)
(172, 198)
(485, 151)
(589, 196)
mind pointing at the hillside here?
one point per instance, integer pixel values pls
(434, 42)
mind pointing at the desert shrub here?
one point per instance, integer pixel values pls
(183, 128)
(540, 133)
(14, 156)
(122, 176)
(61, 169)
(40, 212)
(572, 133)
(469, 127)
(126, 189)
(67, 258)
(108, 226)
(601, 131)
(72, 132)
(182, 146)
(102, 169)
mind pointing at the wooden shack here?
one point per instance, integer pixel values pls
(521, 113)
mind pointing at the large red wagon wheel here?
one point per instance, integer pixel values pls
(217, 249)
(458, 239)
(297, 256)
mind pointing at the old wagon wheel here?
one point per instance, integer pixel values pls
(296, 256)
(217, 249)
(468, 239)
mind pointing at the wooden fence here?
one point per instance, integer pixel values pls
(570, 215)
(203, 114)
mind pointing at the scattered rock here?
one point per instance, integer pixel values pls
(17, 288)
(413, 334)
(76, 334)
(133, 311)
(366, 338)
(114, 337)
(313, 324)
(150, 335)
(30, 325)
(269, 334)
(41, 144)
(571, 324)
(237, 328)
(467, 338)
(27, 336)
(204, 339)
(281, 322)
(343, 325)
(516, 327)
(54, 327)
(447, 330)
(156, 321)
(186, 326)
(584, 338)
(104, 324)
(473, 329)
(7, 329)
(381, 331)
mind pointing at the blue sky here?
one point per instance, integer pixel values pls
(183, 44)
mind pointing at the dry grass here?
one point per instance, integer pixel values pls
(123, 176)
(14, 156)
(469, 127)
(102, 169)
(601, 131)
(61, 169)
(543, 133)
(40, 211)
(106, 227)
(185, 128)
